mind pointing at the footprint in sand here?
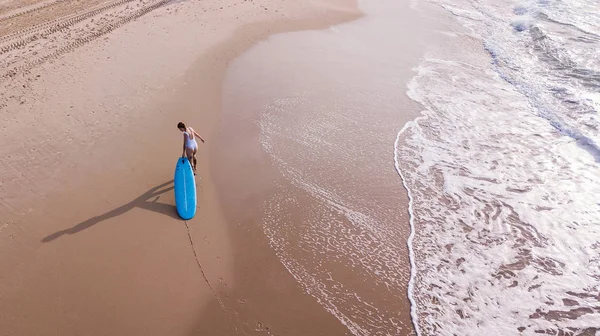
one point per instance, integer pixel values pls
(222, 281)
(262, 327)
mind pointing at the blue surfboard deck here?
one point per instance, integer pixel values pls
(185, 189)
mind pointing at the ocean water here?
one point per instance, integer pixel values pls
(503, 171)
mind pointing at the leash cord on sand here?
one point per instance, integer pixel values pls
(208, 282)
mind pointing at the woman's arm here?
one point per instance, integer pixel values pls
(183, 154)
(196, 134)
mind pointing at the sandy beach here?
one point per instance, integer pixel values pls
(90, 240)
(92, 91)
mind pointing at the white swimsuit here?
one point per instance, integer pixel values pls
(190, 142)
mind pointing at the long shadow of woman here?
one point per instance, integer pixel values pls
(143, 201)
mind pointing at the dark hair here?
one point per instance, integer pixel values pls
(181, 125)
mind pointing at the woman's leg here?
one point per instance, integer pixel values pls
(189, 153)
(194, 156)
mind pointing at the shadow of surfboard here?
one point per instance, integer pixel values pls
(143, 201)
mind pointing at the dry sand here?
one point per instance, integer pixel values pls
(89, 240)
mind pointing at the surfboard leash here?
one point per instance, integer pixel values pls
(214, 292)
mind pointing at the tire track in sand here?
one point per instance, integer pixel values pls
(46, 28)
(31, 58)
(30, 9)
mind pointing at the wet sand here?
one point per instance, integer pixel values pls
(323, 112)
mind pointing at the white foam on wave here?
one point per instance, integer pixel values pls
(582, 14)
(504, 211)
(411, 251)
(502, 170)
(547, 50)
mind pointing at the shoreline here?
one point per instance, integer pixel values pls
(325, 133)
(129, 242)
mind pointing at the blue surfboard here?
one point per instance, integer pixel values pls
(185, 189)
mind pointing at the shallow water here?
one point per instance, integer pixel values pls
(328, 109)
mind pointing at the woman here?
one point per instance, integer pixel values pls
(190, 146)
